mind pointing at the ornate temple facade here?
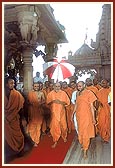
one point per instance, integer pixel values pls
(96, 60)
(26, 26)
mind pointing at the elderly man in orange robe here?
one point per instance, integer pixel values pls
(104, 119)
(58, 100)
(13, 103)
(85, 116)
(35, 113)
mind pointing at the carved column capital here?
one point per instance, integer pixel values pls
(28, 24)
(51, 51)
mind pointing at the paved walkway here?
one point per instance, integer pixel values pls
(99, 153)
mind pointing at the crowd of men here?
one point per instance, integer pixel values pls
(56, 109)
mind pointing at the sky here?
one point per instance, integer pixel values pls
(79, 19)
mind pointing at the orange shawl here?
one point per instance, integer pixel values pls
(13, 134)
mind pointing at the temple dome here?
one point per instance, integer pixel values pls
(84, 50)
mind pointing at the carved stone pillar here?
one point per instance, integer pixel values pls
(28, 17)
(28, 70)
(28, 24)
(51, 51)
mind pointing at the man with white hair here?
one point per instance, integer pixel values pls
(58, 100)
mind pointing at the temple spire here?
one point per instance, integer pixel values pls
(85, 40)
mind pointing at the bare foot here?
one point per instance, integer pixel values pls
(35, 145)
(105, 141)
(69, 131)
(49, 135)
(65, 140)
(54, 145)
(85, 154)
(81, 148)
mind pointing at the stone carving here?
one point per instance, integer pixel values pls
(11, 64)
(24, 28)
(28, 26)
(34, 32)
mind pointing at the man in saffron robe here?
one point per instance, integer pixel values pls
(90, 86)
(96, 83)
(47, 113)
(13, 103)
(85, 116)
(104, 120)
(69, 110)
(58, 99)
(35, 113)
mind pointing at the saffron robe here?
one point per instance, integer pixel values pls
(95, 103)
(104, 119)
(93, 89)
(13, 133)
(69, 110)
(47, 112)
(98, 86)
(58, 125)
(35, 112)
(85, 118)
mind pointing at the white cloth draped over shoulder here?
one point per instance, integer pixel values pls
(73, 100)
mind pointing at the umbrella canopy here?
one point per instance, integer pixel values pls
(58, 70)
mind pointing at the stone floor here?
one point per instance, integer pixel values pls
(99, 153)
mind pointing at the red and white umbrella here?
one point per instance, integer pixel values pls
(58, 70)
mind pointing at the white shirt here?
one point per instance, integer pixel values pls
(37, 79)
(73, 100)
(109, 98)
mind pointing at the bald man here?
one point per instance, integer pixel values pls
(85, 116)
(13, 103)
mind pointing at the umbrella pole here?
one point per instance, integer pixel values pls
(58, 72)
